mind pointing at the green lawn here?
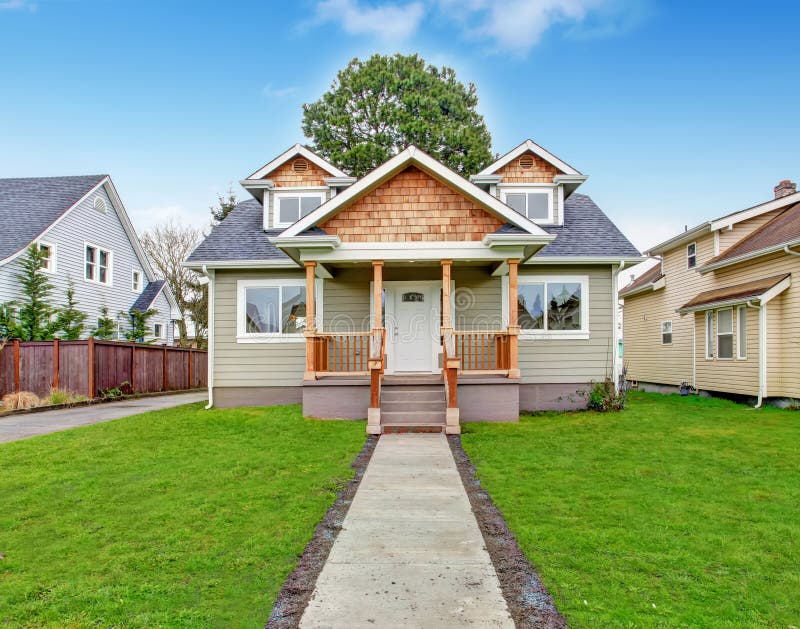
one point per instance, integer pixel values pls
(177, 518)
(675, 512)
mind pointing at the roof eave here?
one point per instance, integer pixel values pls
(673, 242)
(748, 256)
(197, 265)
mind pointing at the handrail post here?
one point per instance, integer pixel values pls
(311, 323)
(513, 320)
(377, 344)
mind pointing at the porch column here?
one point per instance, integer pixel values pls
(451, 363)
(513, 320)
(376, 351)
(311, 323)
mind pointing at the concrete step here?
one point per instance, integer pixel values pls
(391, 429)
(408, 381)
(412, 405)
(435, 397)
(413, 417)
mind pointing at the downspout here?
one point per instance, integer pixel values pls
(210, 277)
(762, 351)
(615, 322)
(791, 252)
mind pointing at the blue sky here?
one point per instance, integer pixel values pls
(678, 111)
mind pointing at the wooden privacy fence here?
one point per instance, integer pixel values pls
(90, 366)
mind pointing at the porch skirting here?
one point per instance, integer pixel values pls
(488, 399)
(345, 398)
(229, 397)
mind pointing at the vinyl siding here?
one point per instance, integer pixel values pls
(81, 225)
(250, 364)
(574, 360)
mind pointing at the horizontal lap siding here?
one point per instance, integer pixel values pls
(574, 361)
(478, 299)
(346, 301)
(783, 320)
(251, 364)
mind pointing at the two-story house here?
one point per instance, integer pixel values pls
(720, 310)
(88, 240)
(412, 296)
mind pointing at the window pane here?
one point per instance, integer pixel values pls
(691, 249)
(262, 310)
(725, 322)
(45, 256)
(293, 310)
(725, 346)
(742, 332)
(516, 201)
(103, 275)
(564, 306)
(530, 306)
(289, 209)
(538, 206)
(308, 204)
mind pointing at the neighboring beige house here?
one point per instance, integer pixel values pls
(721, 310)
(413, 296)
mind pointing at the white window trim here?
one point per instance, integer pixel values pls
(109, 267)
(694, 256)
(133, 283)
(741, 310)
(278, 194)
(516, 188)
(163, 330)
(242, 336)
(671, 328)
(52, 268)
(732, 333)
(710, 335)
(583, 334)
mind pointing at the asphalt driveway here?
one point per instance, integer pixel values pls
(24, 425)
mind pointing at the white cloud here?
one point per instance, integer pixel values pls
(389, 22)
(10, 5)
(278, 92)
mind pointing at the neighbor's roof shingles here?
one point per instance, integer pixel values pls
(29, 205)
(782, 229)
(648, 277)
(748, 290)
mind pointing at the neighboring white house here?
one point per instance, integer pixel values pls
(89, 240)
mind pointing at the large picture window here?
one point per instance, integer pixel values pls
(553, 305)
(290, 207)
(271, 308)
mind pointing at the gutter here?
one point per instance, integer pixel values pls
(749, 256)
(762, 351)
(210, 276)
(790, 251)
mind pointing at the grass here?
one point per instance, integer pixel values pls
(175, 518)
(674, 512)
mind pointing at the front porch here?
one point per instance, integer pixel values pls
(408, 362)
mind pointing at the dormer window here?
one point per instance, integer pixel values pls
(534, 203)
(290, 207)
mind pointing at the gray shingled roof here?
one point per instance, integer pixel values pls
(240, 236)
(148, 296)
(587, 231)
(30, 205)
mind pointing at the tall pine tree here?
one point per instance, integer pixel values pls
(35, 314)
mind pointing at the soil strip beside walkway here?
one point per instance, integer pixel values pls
(410, 553)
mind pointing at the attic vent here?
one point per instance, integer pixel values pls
(299, 166)
(526, 162)
(100, 204)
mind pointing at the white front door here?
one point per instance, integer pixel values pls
(412, 326)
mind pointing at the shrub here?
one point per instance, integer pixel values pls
(59, 396)
(603, 397)
(23, 399)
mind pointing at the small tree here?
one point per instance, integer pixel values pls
(70, 322)
(8, 324)
(140, 325)
(35, 312)
(106, 326)
(225, 205)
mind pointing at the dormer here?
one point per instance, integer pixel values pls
(293, 184)
(532, 181)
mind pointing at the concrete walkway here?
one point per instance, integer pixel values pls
(410, 553)
(25, 425)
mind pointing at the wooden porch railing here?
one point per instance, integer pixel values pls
(341, 353)
(482, 351)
